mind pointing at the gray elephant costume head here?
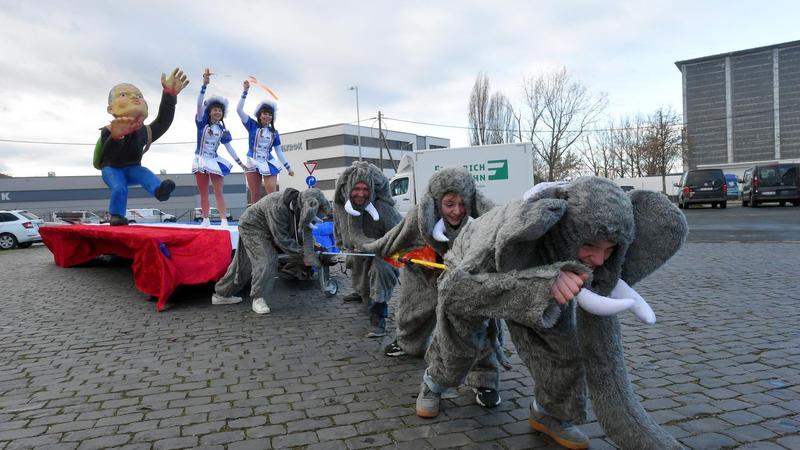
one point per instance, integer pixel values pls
(648, 230)
(441, 183)
(350, 228)
(362, 171)
(313, 207)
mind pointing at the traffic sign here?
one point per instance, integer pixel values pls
(311, 180)
(310, 166)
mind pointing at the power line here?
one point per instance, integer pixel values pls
(25, 141)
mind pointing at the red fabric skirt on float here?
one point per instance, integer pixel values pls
(163, 257)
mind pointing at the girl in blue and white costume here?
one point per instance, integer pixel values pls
(263, 137)
(207, 165)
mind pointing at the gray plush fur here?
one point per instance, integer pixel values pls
(416, 311)
(270, 224)
(503, 265)
(372, 277)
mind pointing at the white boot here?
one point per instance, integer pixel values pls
(260, 306)
(205, 222)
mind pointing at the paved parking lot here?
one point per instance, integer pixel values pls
(86, 362)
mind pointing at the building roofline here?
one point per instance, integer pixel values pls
(684, 62)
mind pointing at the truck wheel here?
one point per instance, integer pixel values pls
(723, 205)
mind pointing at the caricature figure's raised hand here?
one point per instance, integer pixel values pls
(206, 76)
(123, 126)
(246, 85)
(175, 83)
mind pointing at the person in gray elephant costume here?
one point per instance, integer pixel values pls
(524, 262)
(450, 201)
(364, 211)
(279, 221)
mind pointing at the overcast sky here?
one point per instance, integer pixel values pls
(412, 60)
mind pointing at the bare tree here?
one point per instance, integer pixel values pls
(600, 157)
(561, 111)
(479, 110)
(663, 143)
(491, 117)
(501, 122)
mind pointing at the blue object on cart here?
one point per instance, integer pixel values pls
(324, 236)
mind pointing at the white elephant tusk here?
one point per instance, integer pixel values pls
(602, 306)
(372, 211)
(641, 309)
(438, 231)
(349, 208)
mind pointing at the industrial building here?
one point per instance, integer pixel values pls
(742, 107)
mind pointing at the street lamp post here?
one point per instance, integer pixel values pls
(358, 118)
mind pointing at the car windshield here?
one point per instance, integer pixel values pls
(781, 175)
(703, 177)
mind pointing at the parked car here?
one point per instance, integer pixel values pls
(771, 183)
(733, 186)
(76, 217)
(148, 215)
(701, 186)
(19, 228)
(213, 214)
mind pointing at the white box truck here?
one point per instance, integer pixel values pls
(502, 172)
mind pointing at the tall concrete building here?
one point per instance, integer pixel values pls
(742, 107)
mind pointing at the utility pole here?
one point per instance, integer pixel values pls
(380, 144)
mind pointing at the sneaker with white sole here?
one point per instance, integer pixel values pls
(487, 397)
(217, 299)
(563, 432)
(427, 402)
(205, 222)
(260, 306)
(394, 349)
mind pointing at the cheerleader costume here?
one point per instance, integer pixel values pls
(209, 136)
(262, 141)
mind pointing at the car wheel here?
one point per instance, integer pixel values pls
(723, 205)
(797, 203)
(783, 203)
(24, 244)
(744, 203)
(131, 221)
(7, 241)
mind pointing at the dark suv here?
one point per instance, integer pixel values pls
(771, 183)
(700, 186)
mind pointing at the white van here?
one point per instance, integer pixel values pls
(148, 215)
(76, 217)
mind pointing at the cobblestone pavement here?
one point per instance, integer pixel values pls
(86, 362)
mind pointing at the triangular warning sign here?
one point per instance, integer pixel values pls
(310, 166)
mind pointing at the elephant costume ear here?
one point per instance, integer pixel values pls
(661, 230)
(518, 230)
(482, 204)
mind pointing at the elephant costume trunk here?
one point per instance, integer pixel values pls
(615, 404)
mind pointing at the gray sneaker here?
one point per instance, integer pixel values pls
(562, 431)
(217, 299)
(427, 402)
